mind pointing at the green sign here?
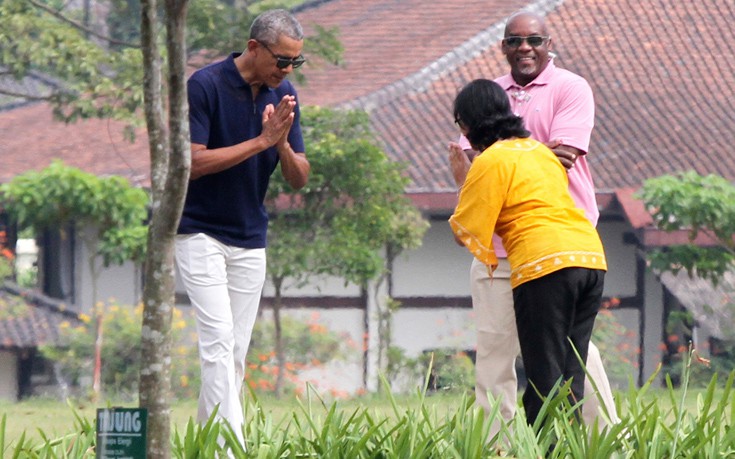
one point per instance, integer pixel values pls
(121, 433)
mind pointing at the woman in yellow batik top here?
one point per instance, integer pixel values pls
(518, 189)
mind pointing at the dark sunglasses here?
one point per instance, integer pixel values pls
(515, 41)
(283, 62)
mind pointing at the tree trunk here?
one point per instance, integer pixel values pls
(97, 371)
(170, 165)
(280, 358)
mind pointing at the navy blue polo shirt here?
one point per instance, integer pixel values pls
(228, 205)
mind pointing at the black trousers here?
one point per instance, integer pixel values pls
(551, 311)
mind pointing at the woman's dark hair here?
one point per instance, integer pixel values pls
(483, 108)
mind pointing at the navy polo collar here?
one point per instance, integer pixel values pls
(233, 75)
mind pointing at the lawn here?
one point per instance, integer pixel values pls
(656, 422)
(55, 418)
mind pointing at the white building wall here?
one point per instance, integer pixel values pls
(8, 376)
(315, 287)
(620, 279)
(120, 284)
(439, 267)
(417, 330)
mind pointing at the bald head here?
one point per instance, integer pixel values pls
(526, 18)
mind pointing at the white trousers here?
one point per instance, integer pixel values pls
(224, 285)
(498, 347)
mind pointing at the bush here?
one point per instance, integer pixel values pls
(306, 345)
(120, 356)
(449, 370)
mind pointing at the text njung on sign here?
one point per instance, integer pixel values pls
(121, 433)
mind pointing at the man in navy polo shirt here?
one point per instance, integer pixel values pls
(244, 120)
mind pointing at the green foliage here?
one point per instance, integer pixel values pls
(122, 244)
(91, 81)
(219, 27)
(351, 217)
(121, 352)
(202, 440)
(697, 204)
(700, 205)
(123, 21)
(449, 370)
(28, 278)
(351, 208)
(215, 25)
(324, 46)
(306, 345)
(59, 195)
(6, 268)
(400, 367)
(72, 446)
(100, 77)
(674, 424)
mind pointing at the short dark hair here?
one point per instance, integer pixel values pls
(483, 108)
(269, 26)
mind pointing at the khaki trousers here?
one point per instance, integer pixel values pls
(498, 347)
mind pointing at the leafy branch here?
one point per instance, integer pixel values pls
(82, 27)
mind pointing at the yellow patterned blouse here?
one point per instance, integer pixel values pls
(517, 188)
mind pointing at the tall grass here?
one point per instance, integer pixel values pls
(652, 426)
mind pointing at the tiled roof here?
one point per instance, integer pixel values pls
(385, 41)
(28, 319)
(31, 139)
(660, 71)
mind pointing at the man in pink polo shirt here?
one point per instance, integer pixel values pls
(558, 109)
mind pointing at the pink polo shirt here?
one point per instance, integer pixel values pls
(558, 104)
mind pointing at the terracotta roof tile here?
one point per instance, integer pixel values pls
(28, 319)
(660, 71)
(385, 41)
(31, 139)
(661, 81)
